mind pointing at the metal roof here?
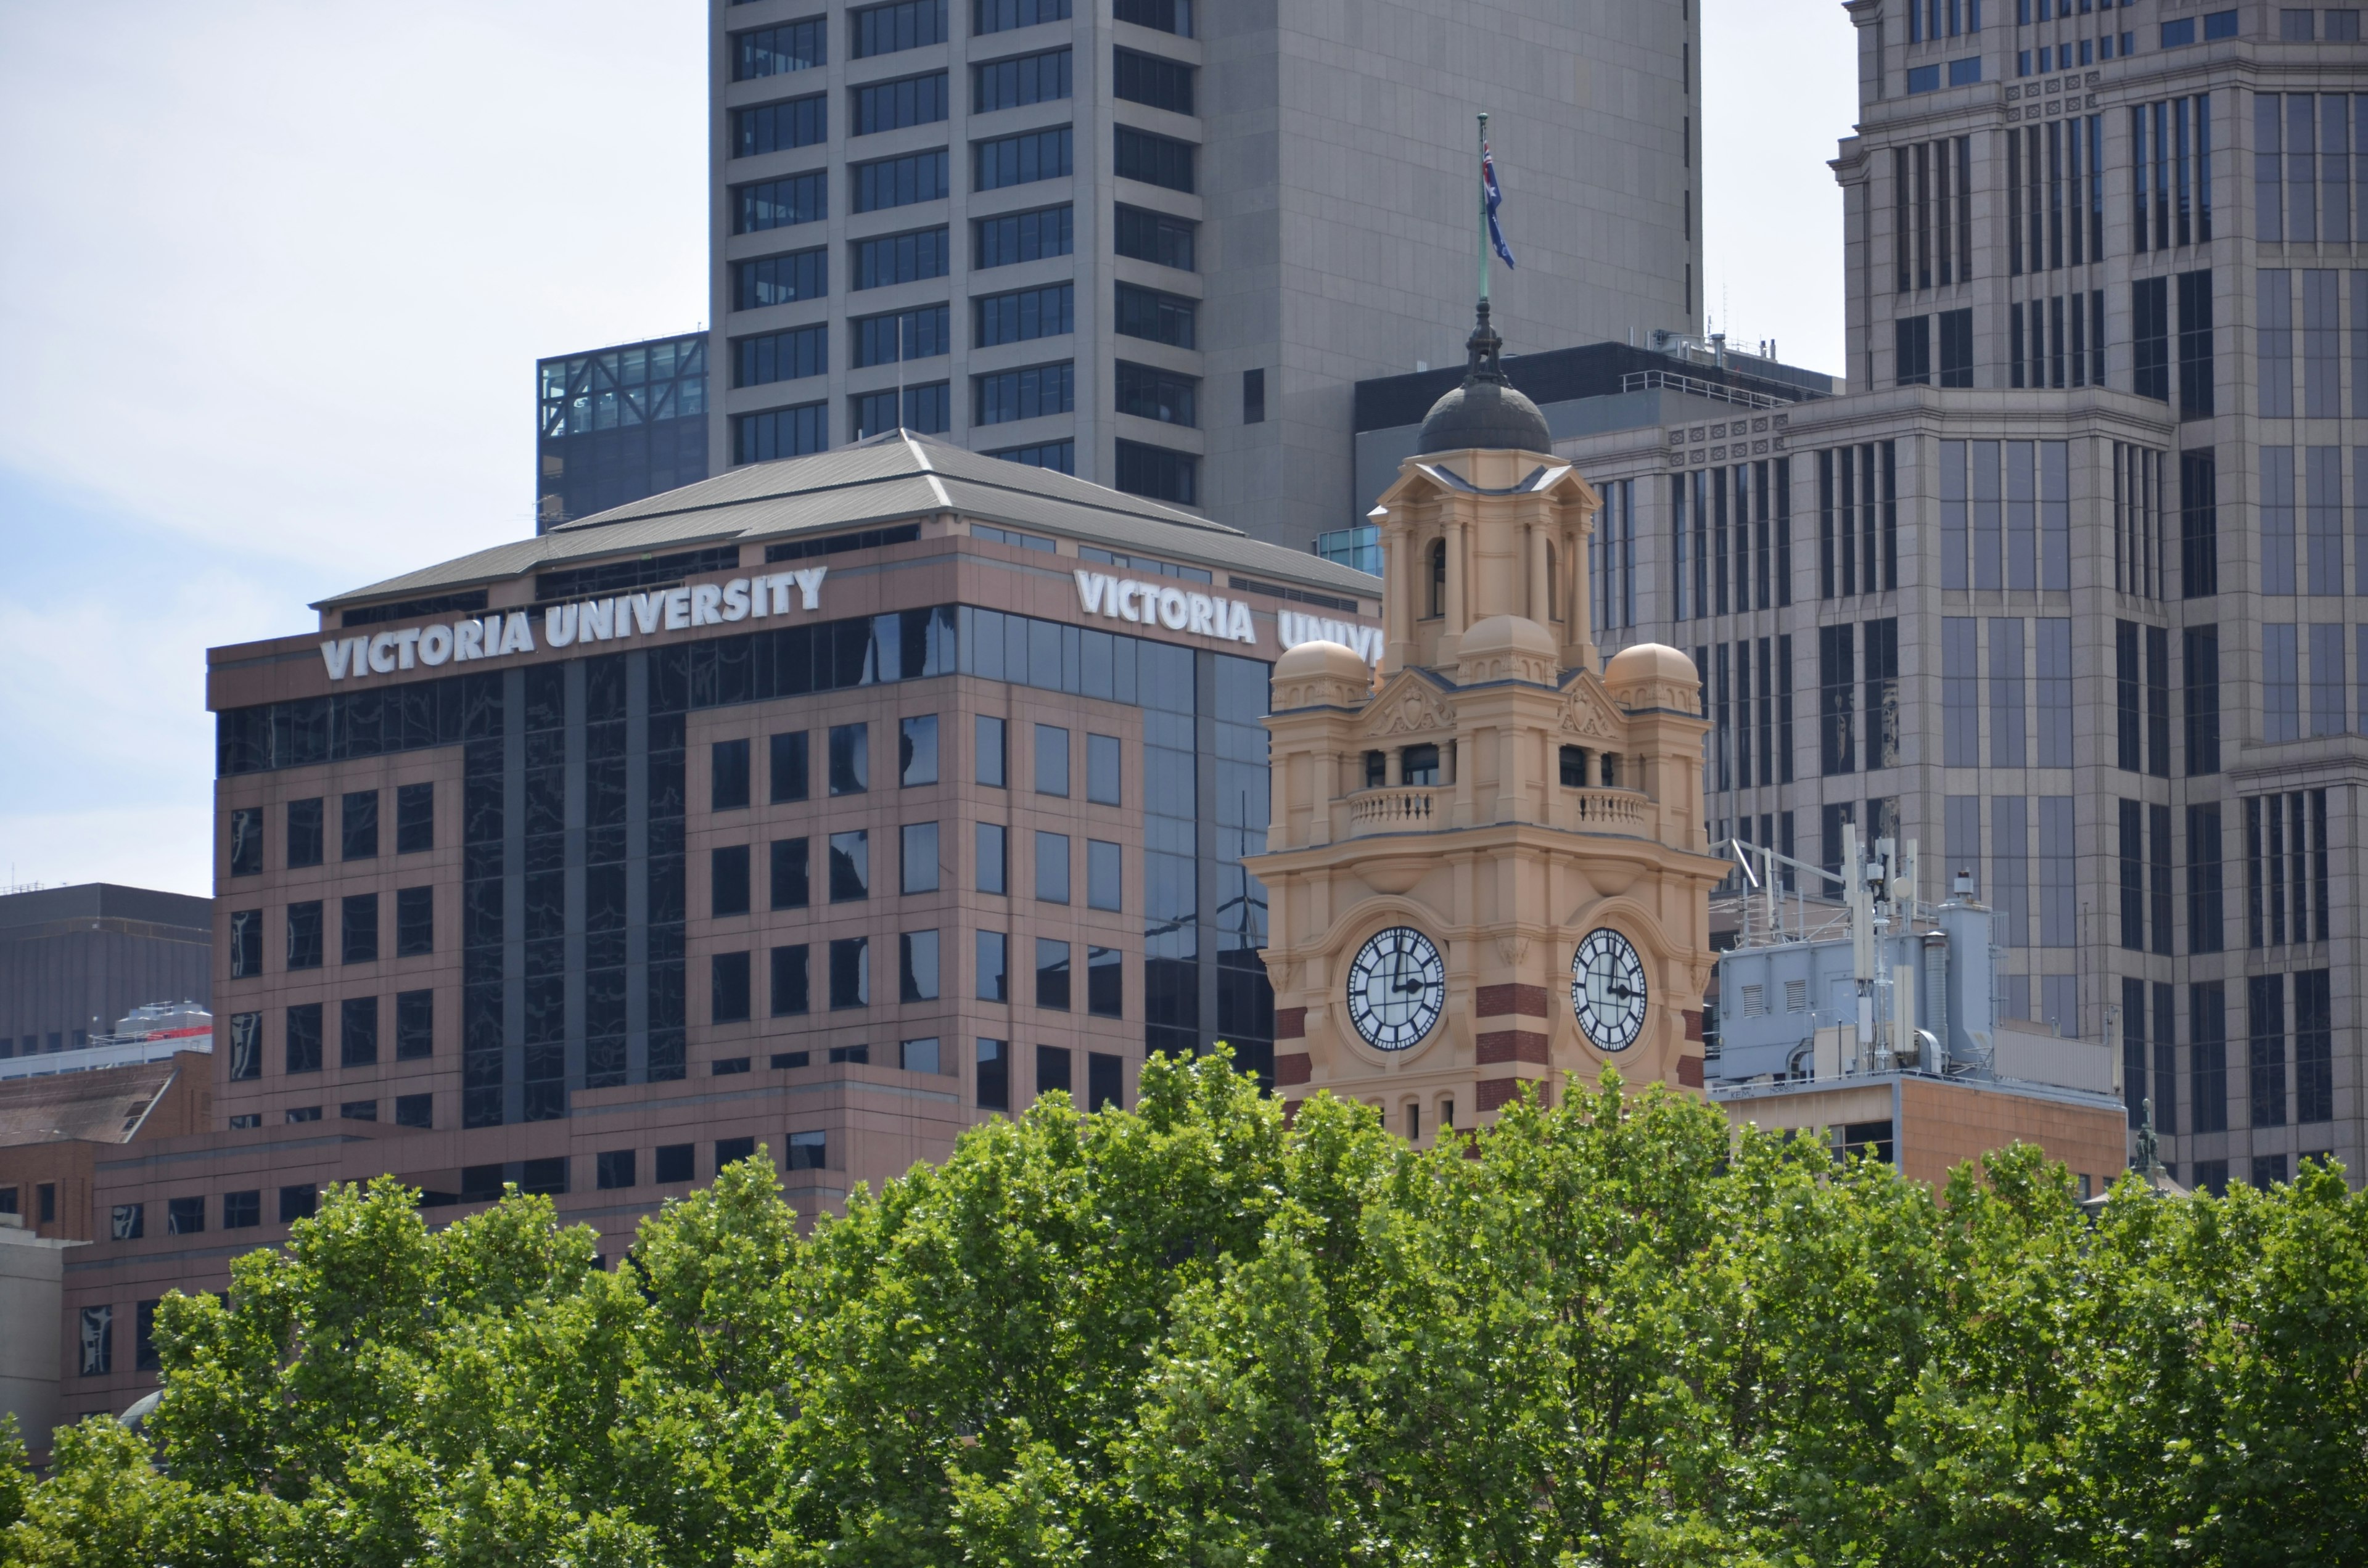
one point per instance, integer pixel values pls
(889, 478)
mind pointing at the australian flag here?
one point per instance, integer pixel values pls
(1492, 196)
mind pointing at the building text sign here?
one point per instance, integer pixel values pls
(1208, 615)
(587, 620)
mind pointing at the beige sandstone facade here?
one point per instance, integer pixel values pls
(1492, 791)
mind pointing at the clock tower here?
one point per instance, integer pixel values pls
(1486, 866)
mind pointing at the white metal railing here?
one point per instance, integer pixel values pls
(1647, 381)
(90, 1058)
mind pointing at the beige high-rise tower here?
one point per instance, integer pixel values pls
(1489, 868)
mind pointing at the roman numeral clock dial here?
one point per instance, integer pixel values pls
(1607, 989)
(1397, 988)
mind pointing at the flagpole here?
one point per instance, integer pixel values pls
(1483, 214)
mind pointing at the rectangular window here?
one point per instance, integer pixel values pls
(415, 819)
(791, 883)
(987, 738)
(2053, 648)
(1837, 746)
(246, 841)
(358, 825)
(1157, 473)
(994, 857)
(917, 858)
(2206, 912)
(1148, 393)
(927, 411)
(358, 1032)
(850, 866)
(901, 182)
(1150, 79)
(245, 1046)
(672, 1162)
(1105, 983)
(2008, 738)
(781, 279)
(1013, 237)
(874, 107)
(416, 1110)
(728, 880)
(415, 1024)
(1023, 314)
(775, 433)
(1053, 866)
(1102, 770)
(1162, 15)
(1018, 80)
(96, 1340)
(304, 934)
(924, 332)
(1051, 974)
(1104, 878)
(994, 1074)
(241, 1210)
(2132, 870)
(1155, 160)
(792, 997)
(728, 989)
(2150, 338)
(850, 759)
(305, 832)
(1254, 406)
(916, 751)
(2129, 731)
(908, 257)
(2195, 359)
(1156, 237)
(1912, 345)
(1956, 347)
(296, 1202)
(773, 357)
(781, 203)
(778, 52)
(613, 1169)
(1028, 392)
(850, 973)
(1163, 318)
(2265, 1052)
(728, 775)
(905, 24)
(1021, 160)
(778, 127)
(2158, 701)
(1052, 760)
(1881, 639)
(1002, 16)
(2199, 527)
(916, 971)
(2314, 1048)
(358, 929)
(994, 952)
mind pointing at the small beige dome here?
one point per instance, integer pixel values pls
(1316, 661)
(1506, 634)
(1647, 662)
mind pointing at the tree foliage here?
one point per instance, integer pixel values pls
(1607, 1333)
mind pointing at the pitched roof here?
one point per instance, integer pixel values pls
(105, 1105)
(890, 477)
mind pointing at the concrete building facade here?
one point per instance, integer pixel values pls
(1154, 244)
(74, 960)
(2064, 592)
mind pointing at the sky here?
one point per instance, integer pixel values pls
(274, 277)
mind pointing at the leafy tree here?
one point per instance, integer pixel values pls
(1607, 1332)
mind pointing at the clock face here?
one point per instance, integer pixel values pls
(1397, 988)
(1607, 989)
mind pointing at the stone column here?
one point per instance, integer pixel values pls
(1401, 575)
(1452, 637)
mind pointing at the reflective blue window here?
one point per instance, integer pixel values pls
(1019, 160)
(901, 258)
(900, 182)
(1025, 393)
(781, 279)
(778, 204)
(1024, 313)
(776, 52)
(780, 433)
(1021, 236)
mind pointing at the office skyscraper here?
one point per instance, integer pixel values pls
(1154, 244)
(2066, 591)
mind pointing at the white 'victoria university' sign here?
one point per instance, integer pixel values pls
(587, 620)
(1207, 615)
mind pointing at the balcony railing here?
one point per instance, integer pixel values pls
(1421, 808)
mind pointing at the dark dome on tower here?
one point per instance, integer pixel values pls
(1485, 412)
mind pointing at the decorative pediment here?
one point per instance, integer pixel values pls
(1408, 708)
(1587, 713)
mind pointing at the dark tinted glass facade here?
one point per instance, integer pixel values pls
(618, 425)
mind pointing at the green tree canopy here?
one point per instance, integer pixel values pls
(1607, 1333)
